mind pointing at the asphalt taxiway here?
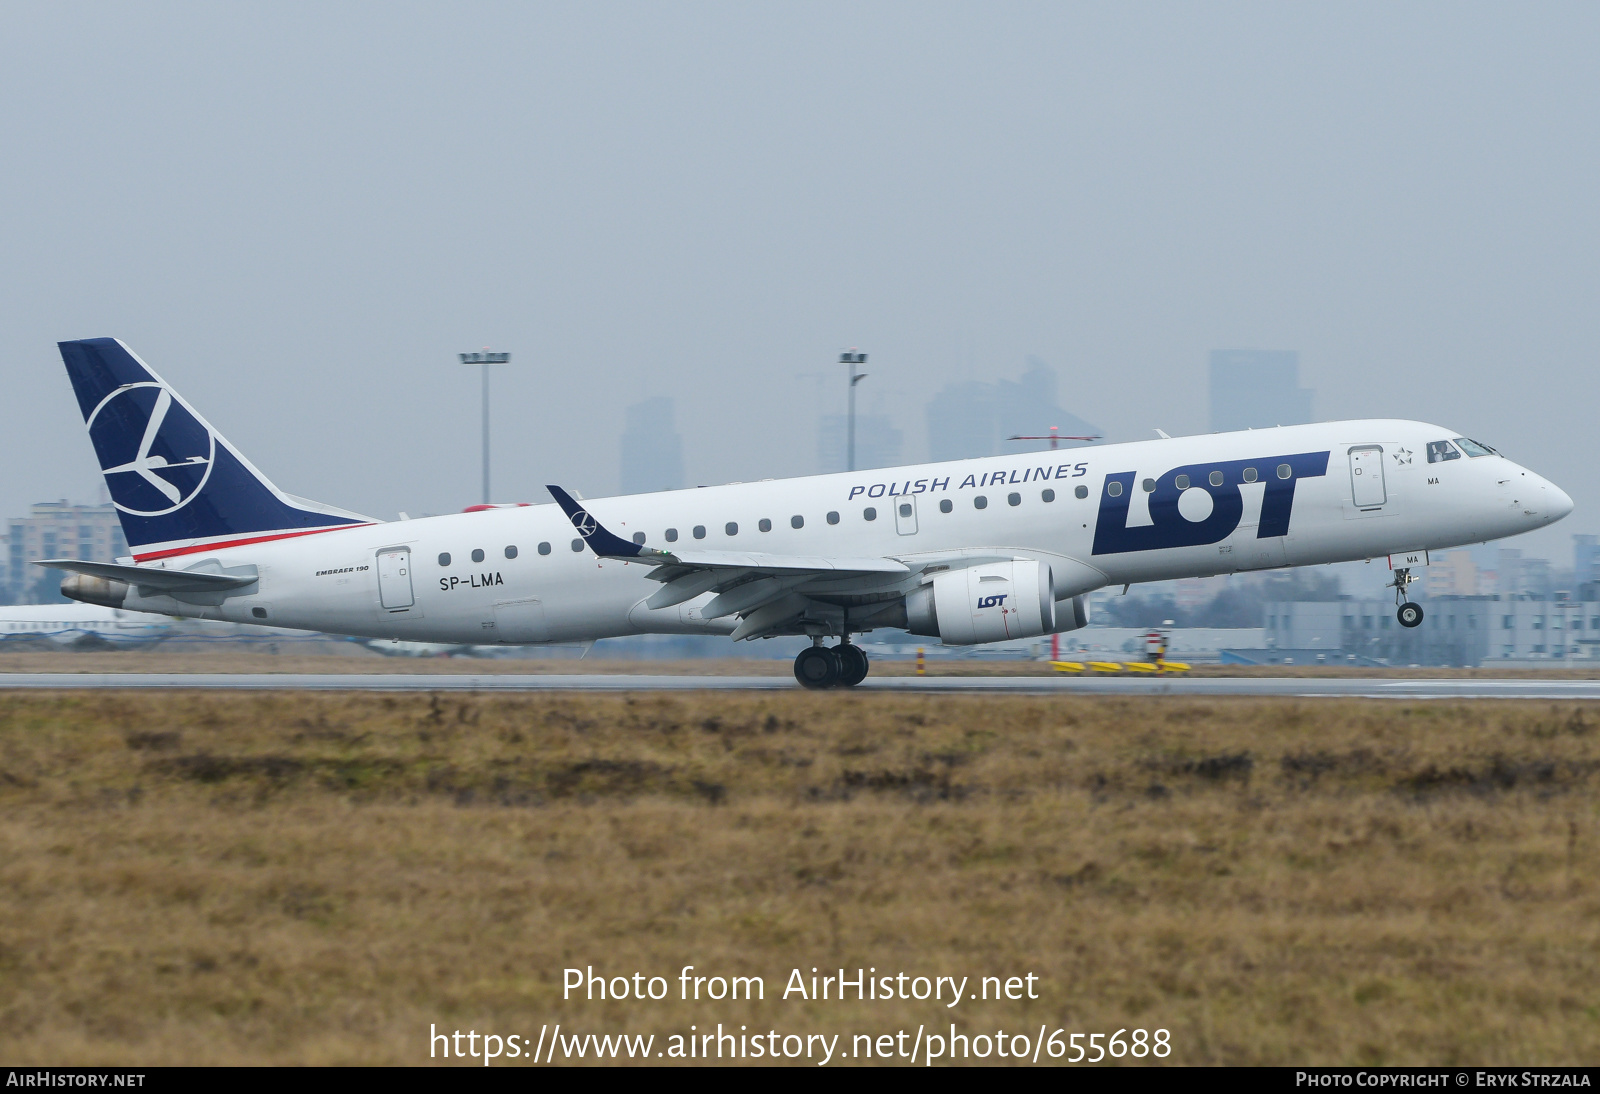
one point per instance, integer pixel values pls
(1279, 686)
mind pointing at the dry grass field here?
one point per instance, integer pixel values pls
(268, 878)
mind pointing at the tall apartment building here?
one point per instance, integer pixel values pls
(878, 442)
(652, 450)
(1257, 389)
(974, 418)
(1452, 573)
(58, 529)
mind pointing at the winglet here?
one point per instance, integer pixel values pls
(601, 541)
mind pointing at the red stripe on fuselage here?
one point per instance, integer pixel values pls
(199, 548)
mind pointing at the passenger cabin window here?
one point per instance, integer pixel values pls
(1047, 495)
(980, 502)
(945, 506)
(477, 554)
(1149, 485)
(1083, 492)
(1249, 474)
(1013, 499)
(732, 528)
(638, 537)
(1215, 478)
(797, 522)
(444, 558)
(1473, 448)
(833, 518)
(1440, 451)
(699, 531)
(1284, 471)
(1181, 482)
(511, 552)
(577, 545)
(905, 509)
(1114, 489)
(869, 513)
(764, 524)
(672, 535)
(544, 548)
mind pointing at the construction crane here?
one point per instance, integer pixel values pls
(1054, 437)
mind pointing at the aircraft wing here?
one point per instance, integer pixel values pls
(153, 577)
(767, 590)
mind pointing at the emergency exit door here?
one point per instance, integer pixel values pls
(905, 514)
(1366, 476)
(394, 579)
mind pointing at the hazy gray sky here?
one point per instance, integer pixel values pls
(299, 214)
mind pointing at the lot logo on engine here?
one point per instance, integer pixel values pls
(992, 601)
(1223, 482)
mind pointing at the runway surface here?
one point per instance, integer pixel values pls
(1306, 687)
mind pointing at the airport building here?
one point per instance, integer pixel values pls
(1458, 630)
(58, 529)
(652, 449)
(1257, 389)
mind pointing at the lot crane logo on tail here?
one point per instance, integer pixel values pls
(170, 461)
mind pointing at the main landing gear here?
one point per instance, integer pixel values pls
(818, 666)
(1409, 614)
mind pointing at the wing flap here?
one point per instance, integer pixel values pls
(672, 563)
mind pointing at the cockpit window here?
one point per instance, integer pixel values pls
(1473, 448)
(1439, 451)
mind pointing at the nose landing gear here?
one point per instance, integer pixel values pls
(818, 667)
(1409, 614)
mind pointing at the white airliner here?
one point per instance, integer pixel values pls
(983, 550)
(69, 624)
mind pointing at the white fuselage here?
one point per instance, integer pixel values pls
(555, 589)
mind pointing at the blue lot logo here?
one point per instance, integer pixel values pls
(1168, 526)
(992, 601)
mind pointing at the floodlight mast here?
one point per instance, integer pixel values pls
(485, 358)
(852, 358)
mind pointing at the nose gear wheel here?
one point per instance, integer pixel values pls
(1409, 614)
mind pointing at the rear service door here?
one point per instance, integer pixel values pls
(394, 579)
(1366, 476)
(905, 514)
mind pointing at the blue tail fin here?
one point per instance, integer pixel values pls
(177, 483)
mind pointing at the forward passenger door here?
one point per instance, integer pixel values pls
(905, 514)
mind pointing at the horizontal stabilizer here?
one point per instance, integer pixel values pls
(759, 560)
(155, 578)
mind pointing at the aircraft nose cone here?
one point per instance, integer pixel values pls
(1557, 502)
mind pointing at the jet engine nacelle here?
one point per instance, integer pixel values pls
(994, 602)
